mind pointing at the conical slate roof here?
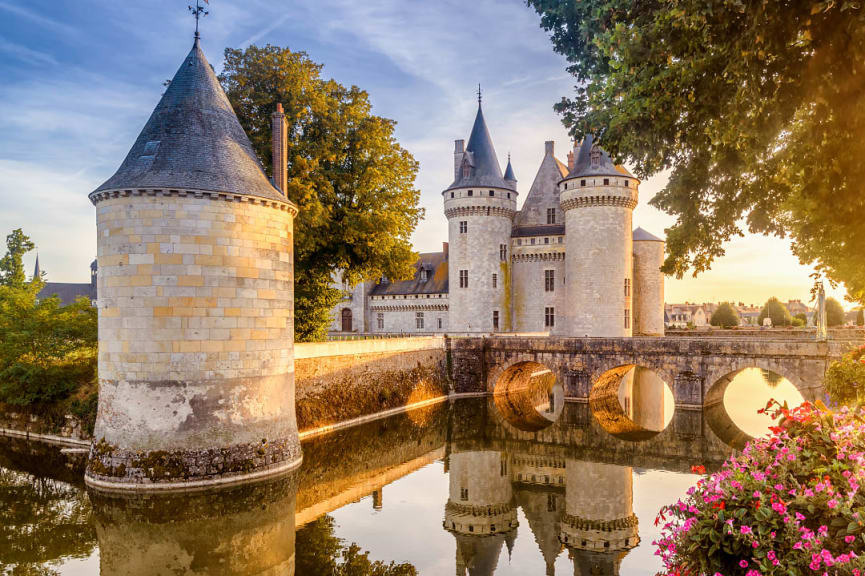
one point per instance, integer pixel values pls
(641, 235)
(481, 156)
(509, 171)
(193, 141)
(543, 194)
(583, 162)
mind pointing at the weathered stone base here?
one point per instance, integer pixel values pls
(600, 535)
(111, 468)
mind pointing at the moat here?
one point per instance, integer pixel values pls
(467, 486)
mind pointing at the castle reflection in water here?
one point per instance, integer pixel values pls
(571, 480)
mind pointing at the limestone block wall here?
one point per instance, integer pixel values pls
(648, 288)
(530, 299)
(401, 315)
(355, 301)
(196, 336)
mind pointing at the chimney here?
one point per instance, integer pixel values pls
(571, 161)
(549, 148)
(445, 249)
(280, 149)
(459, 149)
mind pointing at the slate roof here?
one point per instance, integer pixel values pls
(509, 171)
(481, 155)
(544, 193)
(437, 282)
(68, 292)
(193, 140)
(642, 235)
(583, 162)
(543, 230)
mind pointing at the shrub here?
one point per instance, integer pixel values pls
(860, 317)
(725, 316)
(835, 314)
(790, 503)
(798, 322)
(845, 378)
(775, 310)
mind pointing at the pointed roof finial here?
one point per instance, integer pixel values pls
(37, 271)
(479, 93)
(198, 11)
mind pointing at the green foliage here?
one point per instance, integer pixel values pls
(775, 310)
(12, 265)
(353, 182)
(755, 107)
(725, 316)
(320, 552)
(845, 378)
(802, 317)
(314, 298)
(835, 314)
(47, 351)
(860, 318)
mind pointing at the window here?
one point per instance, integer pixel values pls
(549, 280)
(627, 287)
(519, 242)
(551, 215)
(551, 502)
(440, 323)
(627, 318)
(452, 194)
(626, 183)
(424, 274)
(546, 240)
(503, 252)
(418, 320)
(471, 192)
(560, 239)
(464, 278)
(495, 319)
(492, 193)
(606, 181)
(464, 494)
(495, 280)
(533, 241)
(464, 226)
(467, 170)
(582, 182)
(379, 320)
(596, 157)
(509, 195)
(549, 316)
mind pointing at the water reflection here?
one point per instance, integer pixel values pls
(528, 396)
(632, 402)
(453, 489)
(733, 402)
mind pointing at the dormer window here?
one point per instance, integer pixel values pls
(596, 157)
(424, 274)
(467, 170)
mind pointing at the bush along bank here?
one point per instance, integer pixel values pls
(789, 504)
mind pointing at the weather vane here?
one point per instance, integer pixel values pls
(198, 11)
(479, 93)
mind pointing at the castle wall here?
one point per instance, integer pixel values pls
(400, 314)
(648, 288)
(196, 365)
(529, 296)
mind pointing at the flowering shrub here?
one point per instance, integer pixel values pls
(789, 504)
(845, 378)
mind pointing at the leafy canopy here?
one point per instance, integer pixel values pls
(353, 182)
(757, 108)
(835, 315)
(12, 265)
(725, 316)
(776, 311)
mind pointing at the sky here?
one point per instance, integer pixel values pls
(79, 78)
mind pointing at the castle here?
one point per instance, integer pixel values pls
(567, 263)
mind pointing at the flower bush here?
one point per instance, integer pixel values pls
(845, 378)
(789, 504)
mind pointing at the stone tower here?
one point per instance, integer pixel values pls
(648, 284)
(480, 206)
(196, 332)
(598, 199)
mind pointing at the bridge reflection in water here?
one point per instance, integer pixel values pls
(568, 487)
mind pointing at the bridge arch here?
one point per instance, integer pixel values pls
(632, 402)
(528, 395)
(719, 418)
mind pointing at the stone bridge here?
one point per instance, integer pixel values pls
(696, 369)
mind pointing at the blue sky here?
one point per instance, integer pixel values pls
(79, 78)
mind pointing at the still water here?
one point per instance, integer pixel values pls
(473, 486)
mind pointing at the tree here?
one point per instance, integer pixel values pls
(725, 316)
(12, 265)
(860, 317)
(756, 107)
(802, 318)
(353, 182)
(835, 314)
(775, 310)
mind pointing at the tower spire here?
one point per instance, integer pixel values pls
(198, 11)
(479, 93)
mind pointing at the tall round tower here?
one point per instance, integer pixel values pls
(480, 207)
(196, 331)
(598, 199)
(648, 284)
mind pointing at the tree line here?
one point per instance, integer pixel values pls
(727, 316)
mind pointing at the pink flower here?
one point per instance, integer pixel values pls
(743, 563)
(832, 503)
(745, 529)
(848, 539)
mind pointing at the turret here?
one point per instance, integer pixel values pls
(598, 199)
(480, 205)
(648, 284)
(196, 292)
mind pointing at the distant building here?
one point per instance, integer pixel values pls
(68, 292)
